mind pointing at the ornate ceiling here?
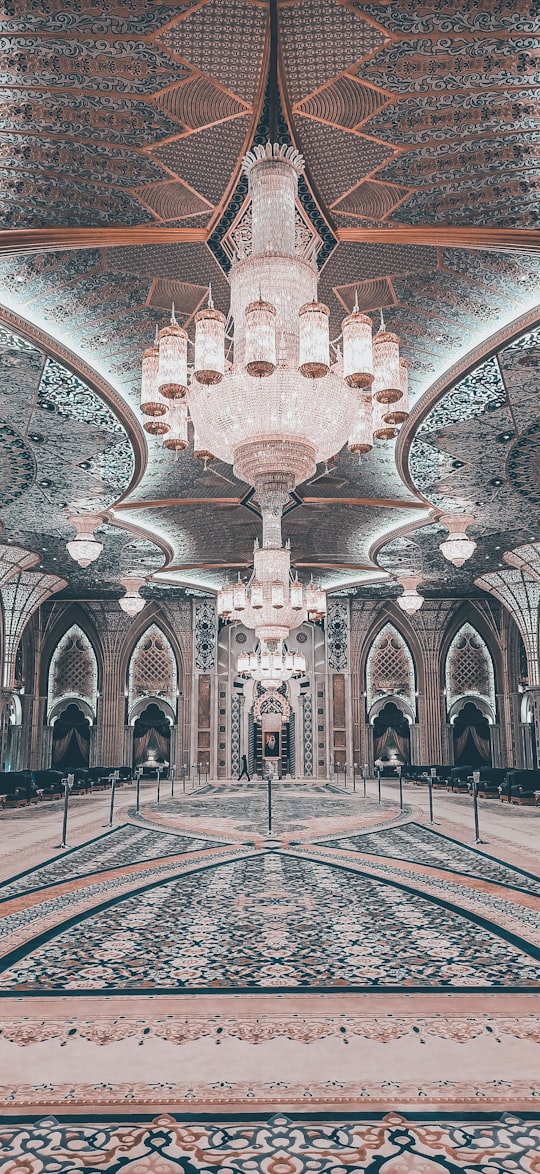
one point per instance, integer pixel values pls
(132, 122)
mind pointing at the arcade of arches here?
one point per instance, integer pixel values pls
(250, 928)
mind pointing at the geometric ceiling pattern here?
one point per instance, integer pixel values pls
(138, 116)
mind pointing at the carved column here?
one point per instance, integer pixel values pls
(204, 738)
(339, 709)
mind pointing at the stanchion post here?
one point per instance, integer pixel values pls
(158, 797)
(354, 770)
(198, 772)
(184, 777)
(476, 780)
(379, 782)
(400, 788)
(138, 798)
(113, 789)
(432, 775)
(364, 776)
(173, 771)
(269, 781)
(68, 781)
(206, 767)
(345, 775)
(193, 776)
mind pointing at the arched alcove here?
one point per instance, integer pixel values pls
(71, 738)
(152, 738)
(471, 736)
(73, 673)
(390, 669)
(152, 670)
(469, 672)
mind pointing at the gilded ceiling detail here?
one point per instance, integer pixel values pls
(138, 114)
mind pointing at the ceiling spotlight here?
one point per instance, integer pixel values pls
(84, 548)
(457, 548)
(132, 602)
(504, 437)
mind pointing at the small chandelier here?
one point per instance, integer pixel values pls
(132, 602)
(410, 601)
(457, 548)
(84, 548)
(271, 666)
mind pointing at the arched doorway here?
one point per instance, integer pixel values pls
(471, 737)
(391, 737)
(71, 739)
(151, 738)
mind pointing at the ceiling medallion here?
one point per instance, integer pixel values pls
(269, 393)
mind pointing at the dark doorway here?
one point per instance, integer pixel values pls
(391, 737)
(472, 746)
(151, 738)
(71, 739)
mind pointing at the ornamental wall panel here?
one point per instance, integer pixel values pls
(469, 668)
(73, 671)
(152, 670)
(390, 668)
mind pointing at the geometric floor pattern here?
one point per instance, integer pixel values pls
(276, 923)
(355, 992)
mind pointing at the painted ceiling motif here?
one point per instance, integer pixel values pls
(137, 115)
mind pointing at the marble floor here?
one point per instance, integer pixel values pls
(357, 989)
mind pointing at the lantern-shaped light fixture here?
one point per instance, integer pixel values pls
(153, 403)
(382, 430)
(209, 345)
(357, 349)
(260, 356)
(132, 602)
(361, 438)
(387, 375)
(172, 366)
(239, 596)
(314, 356)
(457, 548)
(256, 595)
(400, 410)
(84, 548)
(176, 439)
(297, 595)
(242, 664)
(410, 601)
(278, 597)
(225, 600)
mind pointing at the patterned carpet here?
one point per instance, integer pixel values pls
(274, 922)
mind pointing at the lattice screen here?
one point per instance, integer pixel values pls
(469, 668)
(152, 668)
(73, 669)
(390, 668)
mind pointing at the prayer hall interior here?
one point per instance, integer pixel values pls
(269, 587)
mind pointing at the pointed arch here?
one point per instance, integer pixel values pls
(152, 670)
(469, 672)
(61, 620)
(73, 673)
(390, 671)
(153, 613)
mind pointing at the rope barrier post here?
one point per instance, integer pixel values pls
(113, 791)
(173, 769)
(184, 777)
(432, 775)
(158, 785)
(354, 770)
(193, 776)
(207, 764)
(379, 782)
(68, 783)
(476, 780)
(198, 772)
(364, 776)
(400, 789)
(345, 775)
(138, 799)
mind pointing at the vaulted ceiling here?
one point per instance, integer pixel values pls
(121, 136)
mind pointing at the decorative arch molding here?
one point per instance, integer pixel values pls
(458, 371)
(70, 699)
(390, 669)
(153, 614)
(271, 702)
(62, 617)
(527, 709)
(471, 612)
(395, 699)
(153, 670)
(389, 614)
(140, 705)
(73, 673)
(469, 673)
(77, 365)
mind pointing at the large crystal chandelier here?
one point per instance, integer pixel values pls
(269, 393)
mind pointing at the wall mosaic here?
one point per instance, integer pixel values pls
(205, 631)
(337, 635)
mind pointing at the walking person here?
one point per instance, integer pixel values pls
(244, 770)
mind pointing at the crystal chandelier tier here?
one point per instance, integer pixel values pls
(271, 668)
(268, 392)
